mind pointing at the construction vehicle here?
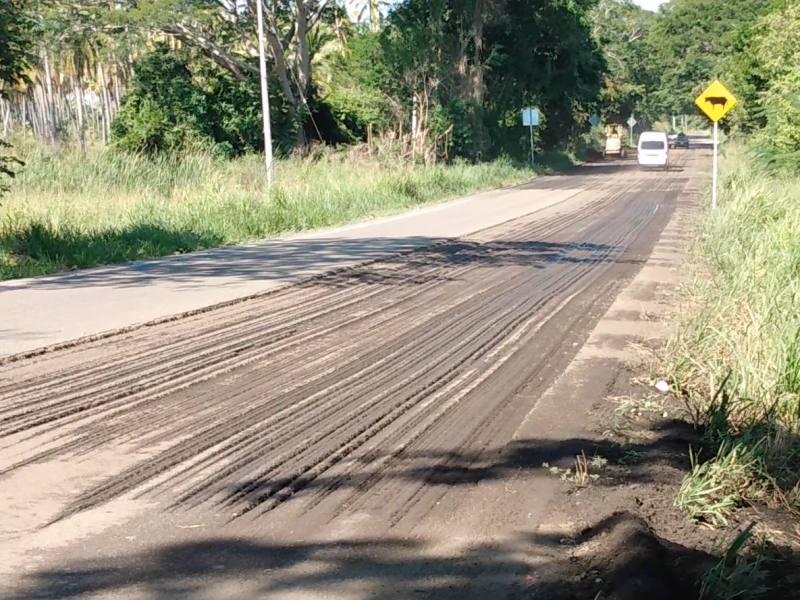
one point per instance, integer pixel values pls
(615, 141)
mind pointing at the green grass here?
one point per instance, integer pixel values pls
(737, 354)
(65, 212)
(737, 574)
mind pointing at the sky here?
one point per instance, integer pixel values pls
(649, 4)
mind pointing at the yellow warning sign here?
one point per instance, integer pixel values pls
(715, 101)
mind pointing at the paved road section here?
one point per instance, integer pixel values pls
(52, 310)
(353, 436)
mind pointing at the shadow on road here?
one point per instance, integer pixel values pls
(378, 569)
(634, 563)
(440, 468)
(633, 560)
(292, 259)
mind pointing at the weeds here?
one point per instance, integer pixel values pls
(579, 475)
(64, 211)
(736, 575)
(736, 358)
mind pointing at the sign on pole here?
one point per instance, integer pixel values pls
(631, 123)
(530, 119)
(594, 120)
(715, 102)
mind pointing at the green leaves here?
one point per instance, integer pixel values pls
(480, 62)
(689, 41)
(16, 41)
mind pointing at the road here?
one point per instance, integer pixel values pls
(355, 435)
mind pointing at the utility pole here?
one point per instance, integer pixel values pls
(262, 63)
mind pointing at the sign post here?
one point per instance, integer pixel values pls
(631, 123)
(715, 102)
(262, 67)
(530, 119)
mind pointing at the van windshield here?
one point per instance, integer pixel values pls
(652, 145)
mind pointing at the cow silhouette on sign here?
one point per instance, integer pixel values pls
(715, 101)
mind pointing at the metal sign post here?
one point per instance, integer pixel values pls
(530, 119)
(631, 123)
(714, 168)
(715, 102)
(262, 67)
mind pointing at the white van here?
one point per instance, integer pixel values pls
(653, 150)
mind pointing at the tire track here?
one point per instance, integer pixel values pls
(303, 391)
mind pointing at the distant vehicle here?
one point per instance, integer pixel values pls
(614, 142)
(671, 137)
(653, 150)
(682, 141)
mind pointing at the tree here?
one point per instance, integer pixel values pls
(778, 55)
(15, 42)
(621, 28)
(373, 10)
(476, 63)
(15, 55)
(688, 42)
(215, 28)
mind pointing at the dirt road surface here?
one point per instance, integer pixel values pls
(359, 435)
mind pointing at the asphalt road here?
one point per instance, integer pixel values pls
(355, 435)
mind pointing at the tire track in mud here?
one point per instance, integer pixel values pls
(385, 467)
(415, 486)
(304, 390)
(171, 376)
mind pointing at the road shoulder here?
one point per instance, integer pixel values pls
(618, 451)
(620, 454)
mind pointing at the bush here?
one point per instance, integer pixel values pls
(164, 111)
(177, 104)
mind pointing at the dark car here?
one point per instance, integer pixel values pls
(671, 137)
(682, 141)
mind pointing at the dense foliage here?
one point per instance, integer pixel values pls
(15, 41)
(176, 104)
(15, 48)
(441, 78)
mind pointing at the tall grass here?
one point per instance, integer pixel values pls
(67, 212)
(737, 353)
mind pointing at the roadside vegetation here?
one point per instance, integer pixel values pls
(737, 356)
(66, 211)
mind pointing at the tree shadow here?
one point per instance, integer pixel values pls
(277, 259)
(618, 557)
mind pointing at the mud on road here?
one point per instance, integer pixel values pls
(352, 436)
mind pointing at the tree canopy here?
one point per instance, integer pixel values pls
(448, 75)
(16, 33)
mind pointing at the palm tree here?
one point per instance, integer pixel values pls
(323, 44)
(373, 9)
